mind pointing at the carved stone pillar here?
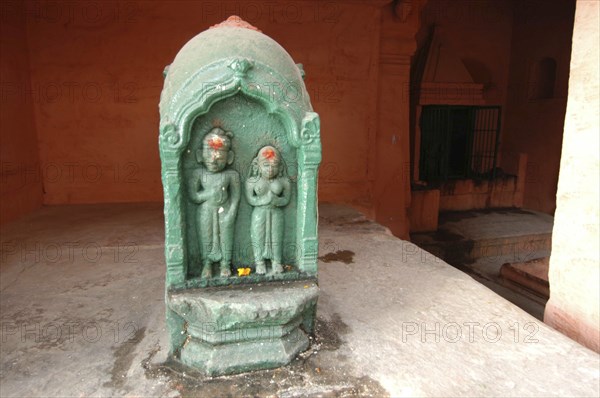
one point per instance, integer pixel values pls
(391, 190)
(574, 271)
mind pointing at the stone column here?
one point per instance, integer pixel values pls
(391, 188)
(574, 276)
(309, 156)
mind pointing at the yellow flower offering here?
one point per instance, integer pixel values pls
(243, 271)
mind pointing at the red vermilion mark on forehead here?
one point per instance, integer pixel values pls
(216, 143)
(268, 154)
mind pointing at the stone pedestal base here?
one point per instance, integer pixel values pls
(237, 329)
(242, 357)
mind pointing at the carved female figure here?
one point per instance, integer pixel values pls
(217, 191)
(268, 189)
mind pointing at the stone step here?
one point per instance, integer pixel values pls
(496, 235)
(463, 251)
(531, 275)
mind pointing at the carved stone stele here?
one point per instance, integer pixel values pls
(240, 150)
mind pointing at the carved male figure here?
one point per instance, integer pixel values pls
(268, 189)
(217, 191)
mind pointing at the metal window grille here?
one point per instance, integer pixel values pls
(459, 142)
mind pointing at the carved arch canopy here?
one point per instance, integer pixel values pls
(287, 100)
(279, 96)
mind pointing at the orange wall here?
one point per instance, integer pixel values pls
(479, 31)
(541, 29)
(96, 74)
(390, 149)
(98, 68)
(498, 42)
(21, 184)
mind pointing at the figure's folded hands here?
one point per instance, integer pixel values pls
(219, 196)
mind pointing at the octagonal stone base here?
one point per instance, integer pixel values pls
(224, 359)
(234, 329)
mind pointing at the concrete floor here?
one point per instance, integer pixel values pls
(82, 314)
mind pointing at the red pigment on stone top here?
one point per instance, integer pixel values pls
(235, 22)
(215, 143)
(268, 154)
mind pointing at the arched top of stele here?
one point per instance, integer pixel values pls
(230, 57)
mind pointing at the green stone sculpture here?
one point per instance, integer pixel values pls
(241, 278)
(268, 189)
(217, 191)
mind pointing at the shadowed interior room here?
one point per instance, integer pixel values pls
(447, 151)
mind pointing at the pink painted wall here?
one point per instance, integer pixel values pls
(20, 184)
(535, 126)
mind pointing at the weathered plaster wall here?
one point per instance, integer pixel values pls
(98, 68)
(479, 32)
(574, 272)
(20, 185)
(535, 126)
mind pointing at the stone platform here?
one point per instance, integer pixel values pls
(83, 314)
(492, 237)
(240, 328)
(531, 275)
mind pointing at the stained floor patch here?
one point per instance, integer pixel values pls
(124, 355)
(306, 376)
(343, 256)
